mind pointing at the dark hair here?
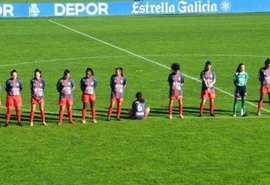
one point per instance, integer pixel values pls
(175, 67)
(89, 69)
(267, 61)
(13, 71)
(66, 72)
(121, 69)
(238, 68)
(139, 97)
(37, 71)
(207, 63)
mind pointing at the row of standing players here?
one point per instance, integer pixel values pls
(65, 86)
(118, 82)
(208, 77)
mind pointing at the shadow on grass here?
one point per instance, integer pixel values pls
(25, 118)
(256, 101)
(101, 114)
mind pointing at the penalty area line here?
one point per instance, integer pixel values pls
(138, 56)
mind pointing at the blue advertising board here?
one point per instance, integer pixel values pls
(159, 7)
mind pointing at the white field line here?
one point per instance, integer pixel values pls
(204, 55)
(108, 44)
(141, 57)
(64, 59)
(121, 56)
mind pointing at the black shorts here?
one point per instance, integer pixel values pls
(240, 92)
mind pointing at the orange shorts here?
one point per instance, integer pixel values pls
(35, 101)
(65, 101)
(88, 98)
(175, 97)
(118, 100)
(206, 94)
(265, 89)
(13, 101)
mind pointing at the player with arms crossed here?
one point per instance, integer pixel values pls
(240, 81)
(264, 77)
(88, 88)
(208, 77)
(37, 85)
(176, 82)
(65, 87)
(118, 83)
(139, 108)
(13, 88)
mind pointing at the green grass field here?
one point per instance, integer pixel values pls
(220, 150)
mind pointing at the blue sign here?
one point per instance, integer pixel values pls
(132, 8)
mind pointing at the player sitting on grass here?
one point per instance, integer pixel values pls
(139, 108)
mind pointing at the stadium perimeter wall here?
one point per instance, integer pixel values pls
(159, 7)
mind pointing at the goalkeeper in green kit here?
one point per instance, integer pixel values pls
(240, 81)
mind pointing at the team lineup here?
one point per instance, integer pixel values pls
(118, 82)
